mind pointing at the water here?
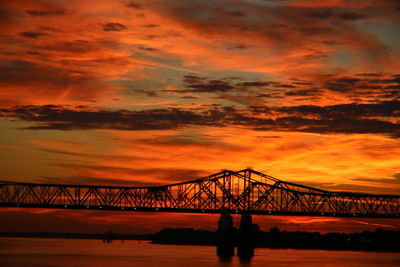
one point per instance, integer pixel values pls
(69, 252)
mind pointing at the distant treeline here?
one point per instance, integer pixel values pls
(378, 240)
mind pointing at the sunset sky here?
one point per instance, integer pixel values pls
(155, 92)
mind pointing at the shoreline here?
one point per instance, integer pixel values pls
(149, 238)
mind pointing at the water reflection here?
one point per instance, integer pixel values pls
(225, 261)
(245, 261)
(26, 252)
(235, 261)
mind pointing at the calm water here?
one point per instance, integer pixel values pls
(65, 252)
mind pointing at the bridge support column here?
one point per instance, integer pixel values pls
(245, 246)
(225, 246)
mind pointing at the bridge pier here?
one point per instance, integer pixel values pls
(245, 245)
(225, 246)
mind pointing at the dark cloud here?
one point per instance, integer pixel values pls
(256, 84)
(146, 92)
(203, 85)
(33, 35)
(351, 16)
(151, 26)
(354, 110)
(269, 136)
(367, 86)
(56, 117)
(41, 13)
(223, 86)
(346, 118)
(76, 46)
(264, 95)
(237, 13)
(361, 126)
(245, 92)
(304, 92)
(145, 48)
(113, 26)
(238, 47)
(320, 14)
(392, 87)
(134, 5)
(370, 74)
(281, 85)
(396, 79)
(329, 14)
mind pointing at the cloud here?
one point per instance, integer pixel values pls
(44, 83)
(348, 118)
(33, 35)
(367, 87)
(134, 5)
(95, 174)
(113, 26)
(351, 16)
(236, 13)
(353, 110)
(329, 14)
(256, 83)
(304, 92)
(322, 89)
(56, 117)
(203, 85)
(223, 86)
(44, 13)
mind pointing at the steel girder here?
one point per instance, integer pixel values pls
(245, 191)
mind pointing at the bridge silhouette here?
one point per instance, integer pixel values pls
(246, 192)
(229, 192)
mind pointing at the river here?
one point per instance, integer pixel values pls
(46, 252)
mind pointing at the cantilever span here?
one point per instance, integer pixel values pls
(243, 192)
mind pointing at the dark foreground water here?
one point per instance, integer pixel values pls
(68, 252)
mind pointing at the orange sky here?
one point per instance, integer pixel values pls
(155, 92)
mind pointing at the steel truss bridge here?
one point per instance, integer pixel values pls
(243, 192)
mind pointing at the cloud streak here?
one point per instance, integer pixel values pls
(348, 118)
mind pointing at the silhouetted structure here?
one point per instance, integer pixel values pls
(378, 240)
(225, 245)
(244, 192)
(246, 236)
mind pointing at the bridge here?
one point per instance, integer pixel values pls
(246, 192)
(243, 192)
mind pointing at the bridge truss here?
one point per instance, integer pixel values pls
(243, 192)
